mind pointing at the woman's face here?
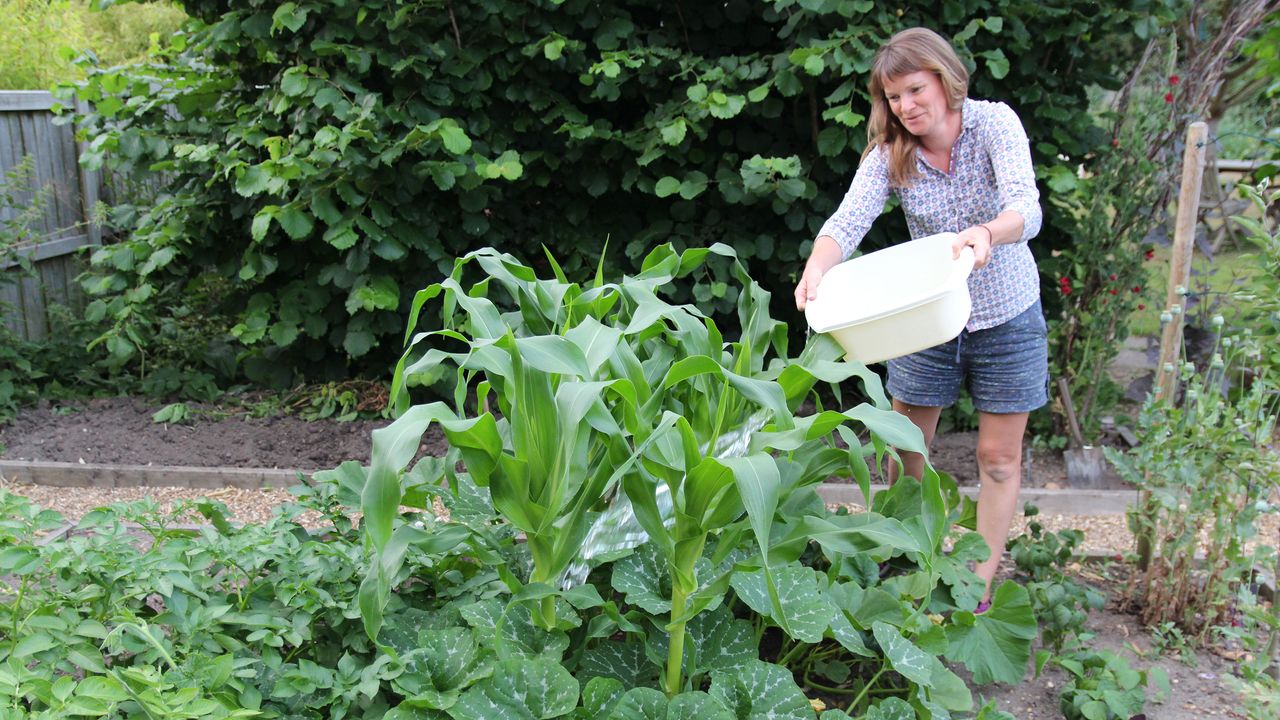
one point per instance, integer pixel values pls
(919, 102)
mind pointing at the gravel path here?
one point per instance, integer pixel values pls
(1101, 533)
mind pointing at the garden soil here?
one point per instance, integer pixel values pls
(1197, 686)
(121, 431)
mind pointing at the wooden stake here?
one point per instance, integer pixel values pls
(1184, 232)
(1180, 263)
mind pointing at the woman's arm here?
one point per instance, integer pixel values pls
(842, 232)
(1020, 217)
(1005, 229)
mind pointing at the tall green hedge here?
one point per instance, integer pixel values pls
(324, 159)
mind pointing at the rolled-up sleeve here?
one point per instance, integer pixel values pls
(1010, 152)
(862, 204)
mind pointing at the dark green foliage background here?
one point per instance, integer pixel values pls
(324, 160)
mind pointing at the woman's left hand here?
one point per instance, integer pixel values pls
(978, 238)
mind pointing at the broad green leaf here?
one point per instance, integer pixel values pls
(31, 644)
(714, 640)
(758, 485)
(947, 689)
(290, 16)
(644, 580)
(511, 630)
(808, 612)
(528, 689)
(252, 180)
(262, 222)
(596, 340)
(697, 705)
(997, 63)
(640, 704)
(624, 662)
(863, 532)
(297, 223)
(996, 645)
(674, 132)
(760, 691)
(454, 138)
(553, 354)
(891, 427)
(666, 187)
(891, 709)
(599, 696)
(908, 660)
(447, 662)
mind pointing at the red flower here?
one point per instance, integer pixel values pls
(1173, 79)
(1141, 306)
(1150, 254)
(1112, 278)
(1137, 289)
(1112, 291)
(1168, 97)
(1115, 142)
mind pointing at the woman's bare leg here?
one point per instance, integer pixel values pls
(1000, 474)
(925, 418)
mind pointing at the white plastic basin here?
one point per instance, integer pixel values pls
(895, 301)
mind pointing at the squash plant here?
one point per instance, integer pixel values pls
(567, 394)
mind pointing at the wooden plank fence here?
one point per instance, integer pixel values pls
(61, 223)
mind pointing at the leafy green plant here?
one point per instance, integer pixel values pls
(566, 394)
(1204, 461)
(469, 614)
(174, 413)
(1061, 603)
(1103, 686)
(325, 155)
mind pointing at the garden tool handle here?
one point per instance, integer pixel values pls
(1065, 392)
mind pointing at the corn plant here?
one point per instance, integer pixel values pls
(567, 397)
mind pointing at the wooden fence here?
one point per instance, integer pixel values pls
(56, 206)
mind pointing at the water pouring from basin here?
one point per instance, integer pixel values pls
(617, 529)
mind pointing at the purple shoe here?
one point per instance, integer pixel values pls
(983, 606)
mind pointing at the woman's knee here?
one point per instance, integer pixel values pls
(1000, 463)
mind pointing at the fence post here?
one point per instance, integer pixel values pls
(90, 181)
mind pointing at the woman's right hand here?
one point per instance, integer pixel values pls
(826, 255)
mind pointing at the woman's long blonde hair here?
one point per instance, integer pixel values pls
(911, 50)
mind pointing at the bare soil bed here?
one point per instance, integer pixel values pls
(121, 431)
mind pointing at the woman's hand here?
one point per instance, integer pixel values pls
(807, 288)
(977, 237)
(826, 255)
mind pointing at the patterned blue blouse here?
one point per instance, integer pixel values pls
(990, 172)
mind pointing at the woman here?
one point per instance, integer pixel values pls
(964, 166)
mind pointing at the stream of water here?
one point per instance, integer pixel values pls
(618, 529)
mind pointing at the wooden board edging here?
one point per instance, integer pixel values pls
(59, 474)
(1050, 502)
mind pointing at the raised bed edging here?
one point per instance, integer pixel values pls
(59, 474)
(1053, 502)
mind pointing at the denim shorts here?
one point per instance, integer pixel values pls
(1005, 368)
